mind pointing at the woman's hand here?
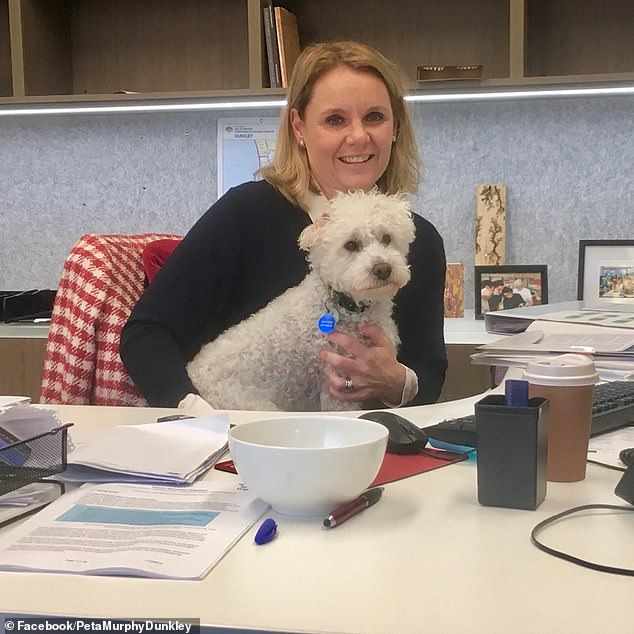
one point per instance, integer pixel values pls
(359, 372)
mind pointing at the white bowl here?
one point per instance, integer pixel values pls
(308, 465)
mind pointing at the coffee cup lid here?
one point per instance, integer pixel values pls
(565, 369)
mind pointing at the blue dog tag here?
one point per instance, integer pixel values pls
(327, 323)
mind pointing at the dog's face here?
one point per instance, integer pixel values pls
(360, 247)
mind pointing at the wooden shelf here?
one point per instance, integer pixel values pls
(92, 50)
(415, 33)
(6, 81)
(108, 46)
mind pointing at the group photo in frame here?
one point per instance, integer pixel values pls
(509, 286)
(606, 274)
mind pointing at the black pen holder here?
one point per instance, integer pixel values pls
(512, 452)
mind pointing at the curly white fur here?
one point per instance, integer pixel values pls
(270, 360)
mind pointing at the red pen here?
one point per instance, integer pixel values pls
(348, 510)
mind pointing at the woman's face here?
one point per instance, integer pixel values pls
(348, 129)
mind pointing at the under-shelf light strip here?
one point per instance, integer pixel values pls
(279, 103)
(147, 107)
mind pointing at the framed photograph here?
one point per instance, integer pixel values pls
(509, 286)
(606, 274)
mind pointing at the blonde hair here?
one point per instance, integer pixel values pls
(289, 171)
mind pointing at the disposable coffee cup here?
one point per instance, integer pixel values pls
(567, 381)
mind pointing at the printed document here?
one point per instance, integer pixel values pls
(134, 530)
(245, 144)
(171, 452)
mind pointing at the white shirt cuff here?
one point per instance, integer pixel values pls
(410, 389)
(196, 404)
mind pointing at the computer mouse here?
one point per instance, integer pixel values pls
(627, 456)
(403, 436)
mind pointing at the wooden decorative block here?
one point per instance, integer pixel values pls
(490, 228)
(454, 290)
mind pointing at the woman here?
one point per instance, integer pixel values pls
(345, 127)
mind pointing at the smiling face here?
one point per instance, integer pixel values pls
(347, 128)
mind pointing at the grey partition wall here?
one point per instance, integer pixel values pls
(567, 164)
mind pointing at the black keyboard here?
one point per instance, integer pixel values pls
(612, 408)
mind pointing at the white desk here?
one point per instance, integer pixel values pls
(467, 330)
(458, 330)
(427, 558)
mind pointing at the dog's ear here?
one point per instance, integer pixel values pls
(403, 226)
(308, 236)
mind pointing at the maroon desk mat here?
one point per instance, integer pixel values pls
(396, 466)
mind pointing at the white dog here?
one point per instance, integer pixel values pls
(358, 257)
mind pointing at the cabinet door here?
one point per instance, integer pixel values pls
(570, 37)
(415, 32)
(146, 46)
(21, 368)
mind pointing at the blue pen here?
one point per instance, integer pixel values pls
(266, 532)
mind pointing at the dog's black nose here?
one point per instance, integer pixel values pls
(382, 271)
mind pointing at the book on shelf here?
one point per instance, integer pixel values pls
(287, 42)
(270, 39)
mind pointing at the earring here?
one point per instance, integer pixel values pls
(394, 139)
(301, 144)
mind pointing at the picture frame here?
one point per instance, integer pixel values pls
(527, 283)
(606, 274)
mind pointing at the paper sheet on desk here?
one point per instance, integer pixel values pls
(605, 448)
(540, 338)
(172, 452)
(24, 420)
(8, 401)
(133, 530)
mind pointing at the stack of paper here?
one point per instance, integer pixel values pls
(8, 401)
(23, 420)
(173, 452)
(27, 499)
(30, 494)
(611, 348)
(516, 320)
(19, 420)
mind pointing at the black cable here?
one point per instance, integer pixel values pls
(576, 560)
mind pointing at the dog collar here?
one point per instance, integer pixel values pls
(345, 301)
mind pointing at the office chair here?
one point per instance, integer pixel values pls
(102, 278)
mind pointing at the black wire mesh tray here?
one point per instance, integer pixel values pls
(32, 459)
